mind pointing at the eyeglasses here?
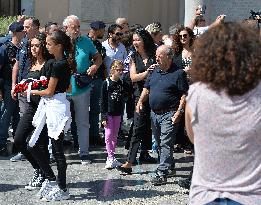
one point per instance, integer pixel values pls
(183, 36)
(119, 70)
(119, 34)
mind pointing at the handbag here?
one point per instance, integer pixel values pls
(82, 79)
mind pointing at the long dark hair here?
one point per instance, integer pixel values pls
(60, 37)
(149, 45)
(45, 54)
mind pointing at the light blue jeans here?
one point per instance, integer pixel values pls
(223, 202)
(81, 107)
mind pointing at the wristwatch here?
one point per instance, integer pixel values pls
(181, 110)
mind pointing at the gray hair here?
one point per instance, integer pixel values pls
(69, 19)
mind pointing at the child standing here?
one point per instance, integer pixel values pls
(112, 106)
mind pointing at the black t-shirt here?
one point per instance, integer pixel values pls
(166, 88)
(8, 52)
(112, 98)
(34, 99)
(140, 67)
(58, 69)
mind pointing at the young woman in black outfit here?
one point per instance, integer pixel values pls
(38, 56)
(141, 60)
(54, 111)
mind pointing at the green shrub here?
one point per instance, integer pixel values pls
(5, 21)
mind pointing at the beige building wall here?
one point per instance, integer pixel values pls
(143, 12)
(51, 10)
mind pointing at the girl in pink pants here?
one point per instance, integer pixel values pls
(112, 107)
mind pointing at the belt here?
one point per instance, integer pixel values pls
(163, 111)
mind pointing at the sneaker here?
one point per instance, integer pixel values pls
(18, 157)
(158, 179)
(47, 186)
(52, 161)
(112, 163)
(36, 181)
(85, 159)
(56, 194)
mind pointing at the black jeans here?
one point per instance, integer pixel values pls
(22, 135)
(58, 153)
(141, 132)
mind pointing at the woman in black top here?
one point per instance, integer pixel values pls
(38, 56)
(55, 108)
(141, 60)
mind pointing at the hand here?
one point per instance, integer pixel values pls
(13, 94)
(104, 123)
(92, 70)
(176, 117)
(221, 17)
(152, 67)
(187, 69)
(139, 107)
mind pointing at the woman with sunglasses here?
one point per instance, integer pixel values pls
(141, 63)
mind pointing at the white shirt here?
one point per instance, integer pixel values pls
(119, 53)
(200, 30)
(55, 113)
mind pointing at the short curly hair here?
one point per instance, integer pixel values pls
(227, 58)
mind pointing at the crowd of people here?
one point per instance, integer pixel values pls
(192, 88)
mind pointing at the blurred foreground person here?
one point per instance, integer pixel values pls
(223, 117)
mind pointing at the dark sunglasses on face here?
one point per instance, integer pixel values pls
(118, 34)
(184, 36)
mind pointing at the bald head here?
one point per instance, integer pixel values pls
(123, 23)
(164, 55)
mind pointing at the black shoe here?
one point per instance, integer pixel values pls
(147, 159)
(184, 183)
(171, 173)
(124, 170)
(158, 179)
(85, 159)
(3, 152)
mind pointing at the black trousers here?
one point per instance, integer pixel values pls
(141, 132)
(22, 135)
(58, 153)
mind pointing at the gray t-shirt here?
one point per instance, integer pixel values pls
(227, 137)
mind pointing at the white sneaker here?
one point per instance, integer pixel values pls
(109, 164)
(56, 194)
(47, 186)
(112, 163)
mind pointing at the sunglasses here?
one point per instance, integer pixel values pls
(118, 34)
(183, 36)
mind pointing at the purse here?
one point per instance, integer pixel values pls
(82, 80)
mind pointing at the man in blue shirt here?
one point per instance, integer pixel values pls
(166, 87)
(84, 53)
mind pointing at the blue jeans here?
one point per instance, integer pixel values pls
(9, 111)
(165, 133)
(95, 108)
(223, 202)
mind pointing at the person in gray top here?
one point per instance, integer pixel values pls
(223, 117)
